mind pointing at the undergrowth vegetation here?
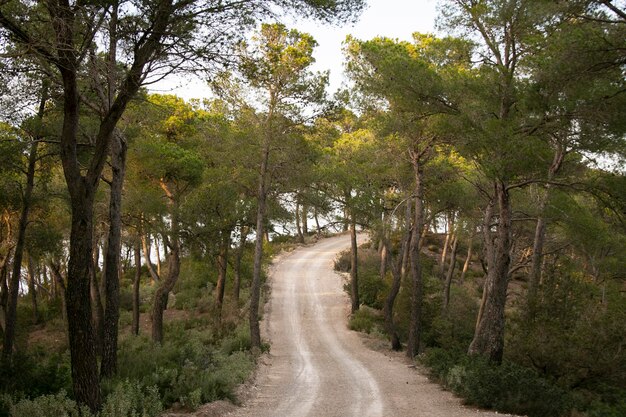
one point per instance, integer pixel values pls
(203, 358)
(564, 353)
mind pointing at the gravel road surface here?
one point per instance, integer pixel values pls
(317, 367)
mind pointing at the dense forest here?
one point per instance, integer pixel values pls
(485, 163)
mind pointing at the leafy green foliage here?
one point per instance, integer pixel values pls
(366, 321)
(34, 374)
(508, 387)
(371, 288)
(189, 367)
(127, 400)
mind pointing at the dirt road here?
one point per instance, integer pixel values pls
(319, 368)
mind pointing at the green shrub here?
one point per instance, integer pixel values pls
(35, 374)
(507, 388)
(239, 341)
(570, 335)
(365, 321)
(127, 400)
(57, 405)
(602, 409)
(126, 299)
(191, 367)
(342, 261)
(454, 329)
(372, 290)
(130, 399)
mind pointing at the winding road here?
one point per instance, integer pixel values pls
(317, 367)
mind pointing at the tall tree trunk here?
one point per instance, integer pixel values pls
(145, 243)
(446, 244)
(298, 228)
(108, 367)
(417, 285)
(96, 303)
(243, 234)
(80, 329)
(384, 255)
(162, 293)
(55, 269)
(537, 255)
(354, 273)
(468, 258)
(318, 229)
(173, 263)
(157, 249)
(4, 290)
(540, 229)
(396, 271)
(303, 216)
(136, 282)
(222, 265)
(14, 283)
(255, 293)
(448, 282)
(489, 336)
(32, 288)
(45, 281)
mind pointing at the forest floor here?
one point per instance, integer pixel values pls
(317, 367)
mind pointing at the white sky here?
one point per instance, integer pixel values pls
(390, 18)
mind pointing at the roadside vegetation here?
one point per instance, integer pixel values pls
(486, 162)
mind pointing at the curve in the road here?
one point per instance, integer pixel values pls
(317, 367)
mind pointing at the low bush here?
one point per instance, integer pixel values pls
(365, 321)
(507, 388)
(372, 290)
(53, 405)
(193, 366)
(127, 400)
(35, 373)
(453, 329)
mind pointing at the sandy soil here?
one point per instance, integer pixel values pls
(319, 368)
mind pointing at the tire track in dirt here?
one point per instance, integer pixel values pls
(319, 368)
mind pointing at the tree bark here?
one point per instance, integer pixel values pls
(136, 282)
(32, 288)
(318, 229)
(303, 215)
(55, 269)
(384, 255)
(354, 262)
(540, 229)
(173, 262)
(468, 258)
(96, 302)
(14, 282)
(243, 230)
(255, 293)
(298, 228)
(489, 336)
(222, 265)
(396, 271)
(417, 285)
(108, 366)
(162, 293)
(4, 290)
(157, 249)
(448, 282)
(145, 243)
(80, 329)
